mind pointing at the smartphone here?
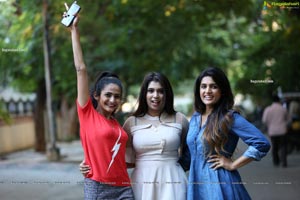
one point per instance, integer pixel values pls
(73, 10)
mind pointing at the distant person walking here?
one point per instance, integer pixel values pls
(275, 117)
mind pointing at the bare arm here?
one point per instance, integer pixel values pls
(226, 163)
(241, 161)
(130, 154)
(82, 76)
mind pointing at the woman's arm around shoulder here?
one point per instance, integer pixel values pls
(182, 119)
(130, 153)
(184, 153)
(129, 122)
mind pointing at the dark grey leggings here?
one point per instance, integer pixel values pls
(94, 190)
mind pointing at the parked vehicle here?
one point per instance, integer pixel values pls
(292, 100)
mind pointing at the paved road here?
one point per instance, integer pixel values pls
(28, 175)
(40, 181)
(266, 182)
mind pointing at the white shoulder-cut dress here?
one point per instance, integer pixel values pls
(154, 150)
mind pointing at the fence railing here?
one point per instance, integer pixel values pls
(19, 134)
(18, 108)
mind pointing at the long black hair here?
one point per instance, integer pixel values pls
(220, 119)
(226, 102)
(167, 89)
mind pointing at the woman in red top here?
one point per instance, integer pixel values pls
(103, 139)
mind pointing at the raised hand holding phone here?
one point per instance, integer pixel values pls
(69, 17)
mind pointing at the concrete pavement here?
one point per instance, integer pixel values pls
(266, 182)
(28, 175)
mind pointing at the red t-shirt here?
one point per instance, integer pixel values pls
(104, 145)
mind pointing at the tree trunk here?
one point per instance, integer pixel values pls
(69, 121)
(53, 151)
(40, 141)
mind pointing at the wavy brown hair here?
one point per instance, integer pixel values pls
(220, 120)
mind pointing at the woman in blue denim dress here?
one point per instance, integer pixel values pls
(213, 135)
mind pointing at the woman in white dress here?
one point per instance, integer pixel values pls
(157, 137)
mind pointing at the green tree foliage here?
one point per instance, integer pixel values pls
(132, 37)
(272, 52)
(129, 37)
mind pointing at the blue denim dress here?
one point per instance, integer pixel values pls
(221, 184)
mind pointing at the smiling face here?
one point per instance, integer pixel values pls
(155, 98)
(210, 93)
(109, 99)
